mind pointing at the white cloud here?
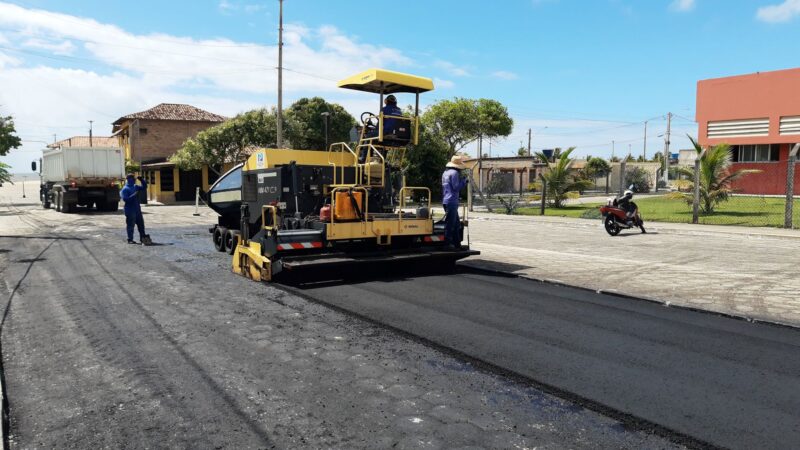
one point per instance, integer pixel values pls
(99, 71)
(58, 48)
(451, 68)
(505, 75)
(782, 12)
(439, 83)
(682, 5)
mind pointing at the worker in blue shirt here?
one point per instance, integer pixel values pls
(133, 210)
(390, 109)
(452, 184)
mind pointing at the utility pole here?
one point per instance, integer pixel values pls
(54, 138)
(529, 142)
(644, 149)
(480, 164)
(612, 149)
(90, 133)
(666, 149)
(280, 77)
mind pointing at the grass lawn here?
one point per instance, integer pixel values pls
(740, 210)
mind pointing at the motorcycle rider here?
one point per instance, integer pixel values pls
(626, 203)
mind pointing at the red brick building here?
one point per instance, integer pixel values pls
(153, 135)
(759, 116)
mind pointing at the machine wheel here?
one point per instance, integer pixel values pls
(231, 241)
(219, 238)
(67, 207)
(611, 225)
(112, 206)
(57, 198)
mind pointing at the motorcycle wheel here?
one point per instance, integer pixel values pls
(611, 226)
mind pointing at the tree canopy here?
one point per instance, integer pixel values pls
(716, 176)
(8, 138)
(560, 178)
(228, 141)
(305, 125)
(461, 121)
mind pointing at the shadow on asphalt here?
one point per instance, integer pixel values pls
(383, 273)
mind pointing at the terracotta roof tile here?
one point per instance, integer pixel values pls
(83, 141)
(174, 111)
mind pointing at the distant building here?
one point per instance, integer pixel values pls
(86, 141)
(153, 135)
(516, 171)
(759, 116)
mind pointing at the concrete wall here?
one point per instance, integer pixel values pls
(760, 95)
(650, 167)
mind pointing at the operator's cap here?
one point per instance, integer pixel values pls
(456, 162)
(391, 99)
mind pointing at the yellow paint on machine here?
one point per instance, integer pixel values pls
(267, 158)
(377, 228)
(249, 262)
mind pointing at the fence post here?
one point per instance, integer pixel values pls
(788, 220)
(196, 202)
(622, 177)
(696, 200)
(544, 193)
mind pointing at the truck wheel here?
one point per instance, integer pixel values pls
(231, 241)
(219, 238)
(111, 206)
(66, 207)
(57, 198)
(45, 202)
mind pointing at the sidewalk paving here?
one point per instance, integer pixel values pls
(742, 271)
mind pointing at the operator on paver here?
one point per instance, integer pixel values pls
(391, 109)
(133, 210)
(452, 184)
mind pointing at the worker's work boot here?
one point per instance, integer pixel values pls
(146, 240)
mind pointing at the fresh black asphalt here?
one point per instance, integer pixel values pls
(722, 381)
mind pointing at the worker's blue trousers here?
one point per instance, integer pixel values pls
(132, 219)
(452, 230)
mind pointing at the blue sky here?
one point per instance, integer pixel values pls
(579, 73)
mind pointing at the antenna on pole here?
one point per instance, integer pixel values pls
(90, 133)
(280, 77)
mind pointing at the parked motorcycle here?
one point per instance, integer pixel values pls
(621, 214)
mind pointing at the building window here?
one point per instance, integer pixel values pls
(167, 180)
(755, 153)
(142, 130)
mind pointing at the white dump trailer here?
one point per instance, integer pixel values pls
(82, 176)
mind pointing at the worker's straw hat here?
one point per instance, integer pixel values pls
(456, 162)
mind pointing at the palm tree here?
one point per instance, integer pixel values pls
(716, 176)
(560, 180)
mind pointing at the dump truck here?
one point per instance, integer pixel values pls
(81, 176)
(286, 211)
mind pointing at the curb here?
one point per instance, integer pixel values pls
(618, 294)
(668, 230)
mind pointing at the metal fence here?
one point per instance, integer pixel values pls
(685, 198)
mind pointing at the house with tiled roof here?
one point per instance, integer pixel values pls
(150, 137)
(86, 141)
